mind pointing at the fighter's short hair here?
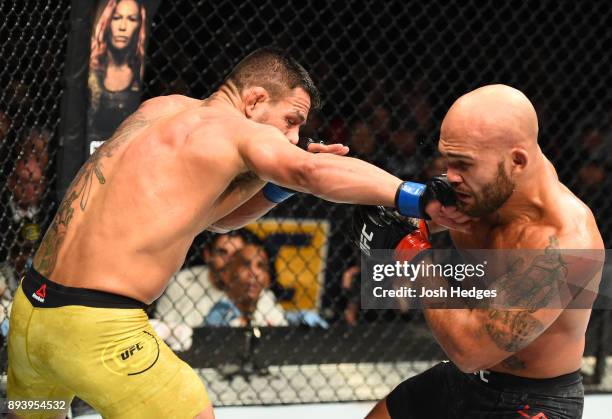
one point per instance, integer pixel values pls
(276, 71)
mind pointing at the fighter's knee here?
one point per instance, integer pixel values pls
(207, 413)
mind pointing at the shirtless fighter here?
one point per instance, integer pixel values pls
(520, 362)
(174, 168)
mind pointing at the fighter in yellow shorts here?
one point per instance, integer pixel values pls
(101, 345)
(174, 168)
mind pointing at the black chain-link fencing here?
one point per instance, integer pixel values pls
(32, 54)
(388, 71)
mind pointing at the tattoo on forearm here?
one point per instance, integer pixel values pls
(80, 188)
(529, 288)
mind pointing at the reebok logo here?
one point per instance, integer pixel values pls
(523, 412)
(40, 294)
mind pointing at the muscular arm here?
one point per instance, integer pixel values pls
(482, 337)
(250, 211)
(331, 177)
(259, 205)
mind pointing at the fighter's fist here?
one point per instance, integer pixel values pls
(383, 228)
(413, 198)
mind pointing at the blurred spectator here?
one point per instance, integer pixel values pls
(337, 132)
(364, 145)
(36, 144)
(22, 220)
(362, 139)
(435, 166)
(593, 144)
(195, 290)
(5, 144)
(350, 287)
(592, 186)
(380, 122)
(413, 108)
(313, 127)
(419, 108)
(404, 162)
(607, 135)
(245, 277)
(17, 97)
(5, 124)
(26, 189)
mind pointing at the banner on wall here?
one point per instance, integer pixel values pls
(116, 64)
(300, 259)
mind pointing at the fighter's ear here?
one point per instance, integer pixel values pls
(520, 159)
(254, 97)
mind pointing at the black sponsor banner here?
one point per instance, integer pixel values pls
(116, 64)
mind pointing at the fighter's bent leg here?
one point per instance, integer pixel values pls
(24, 382)
(102, 347)
(426, 395)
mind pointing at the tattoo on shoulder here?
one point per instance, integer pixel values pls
(529, 286)
(80, 189)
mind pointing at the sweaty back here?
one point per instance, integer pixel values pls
(144, 191)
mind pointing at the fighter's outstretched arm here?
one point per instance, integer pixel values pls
(259, 205)
(328, 176)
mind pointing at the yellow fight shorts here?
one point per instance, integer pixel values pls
(66, 341)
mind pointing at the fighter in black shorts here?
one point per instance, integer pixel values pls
(505, 363)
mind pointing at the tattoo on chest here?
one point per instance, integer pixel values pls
(46, 257)
(529, 286)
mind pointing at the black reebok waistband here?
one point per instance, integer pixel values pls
(43, 292)
(501, 381)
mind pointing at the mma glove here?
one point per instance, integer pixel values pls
(278, 194)
(384, 228)
(412, 198)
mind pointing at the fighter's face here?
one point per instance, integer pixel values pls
(479, 177)
(248, 275)
(124, 23)
(287, 114)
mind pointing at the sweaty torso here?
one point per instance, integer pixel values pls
(558, 350)
(131, 213)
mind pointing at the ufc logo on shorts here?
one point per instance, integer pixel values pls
(130, 351)
(364, 240)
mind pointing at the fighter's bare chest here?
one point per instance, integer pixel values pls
(482, 237)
